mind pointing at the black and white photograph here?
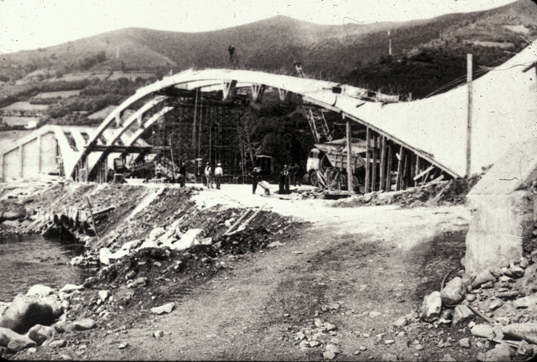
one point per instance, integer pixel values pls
(307, 180)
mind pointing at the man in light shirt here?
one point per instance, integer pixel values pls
(218, 172)
(209, 176)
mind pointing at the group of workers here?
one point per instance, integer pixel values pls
(293, 174)
(211, 178)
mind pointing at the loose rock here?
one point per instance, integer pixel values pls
(401, 322)
(83, 324)
(39, 334)
(57, 344)
(454, 292)
(20, 341)
(483, 330)
(482, 278)
(432, 305)
(464, 342)
(461, 314)
(166, 308)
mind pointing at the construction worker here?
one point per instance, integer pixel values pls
(255, 178)
(182, 172)
(218, 172)
(208, 176)
(231, 50)
(158, 170)
(284, 180)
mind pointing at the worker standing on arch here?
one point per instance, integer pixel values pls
(231, 50)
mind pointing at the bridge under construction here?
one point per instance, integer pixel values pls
(200, 115)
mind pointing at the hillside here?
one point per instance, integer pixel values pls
(272, 44)
(428, 56)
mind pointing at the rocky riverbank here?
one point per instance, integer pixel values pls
(206, 269)
(152, 236)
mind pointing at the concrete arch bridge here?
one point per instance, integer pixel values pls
(420, 137)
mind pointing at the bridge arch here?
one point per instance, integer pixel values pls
(342, 99)
(435, 128)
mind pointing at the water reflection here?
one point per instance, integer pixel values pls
(26, 260)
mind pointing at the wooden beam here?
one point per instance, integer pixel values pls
(367, 160)
(382, 164)
(406, 171)
(389, 170)
(349, 156)
(423, 173)
(412, 169)
(374, 165)
(399, 170)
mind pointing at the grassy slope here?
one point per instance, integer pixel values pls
(273, 44)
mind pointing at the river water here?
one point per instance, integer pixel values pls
(26, 260)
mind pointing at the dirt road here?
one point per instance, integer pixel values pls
(357, 268)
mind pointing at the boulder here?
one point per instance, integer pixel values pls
(17, 341)
(26, 311)
(518, 331)
(166, 308)
(13, 214)
(524, 351)
(189, 239)
(401, 322)
(70, 288)
(83, 324)
(59, 343)
(104, 256)
(39, 334)
(104, 294)
(501, 353)
(454, 292)
(483, 330)
(494, 304)
(461, 314)
(431, 307)
(464, 342)
(39, 291)
(526, 302)
(484, 277)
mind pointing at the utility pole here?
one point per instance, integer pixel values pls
(469, 120)
(389, 43)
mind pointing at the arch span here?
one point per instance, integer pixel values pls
(434, 128)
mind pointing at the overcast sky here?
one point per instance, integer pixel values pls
(30, 24)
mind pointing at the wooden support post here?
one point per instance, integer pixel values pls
(399, 170)
(367, 161)
(382, 164)
(92, 219)
(406, 171)
(194, 123)
(21, 160)
(349, 157)
(374, 165)
(412, 169)
(469, 121)
(38, 154)
(417, 171)
(389, 170)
